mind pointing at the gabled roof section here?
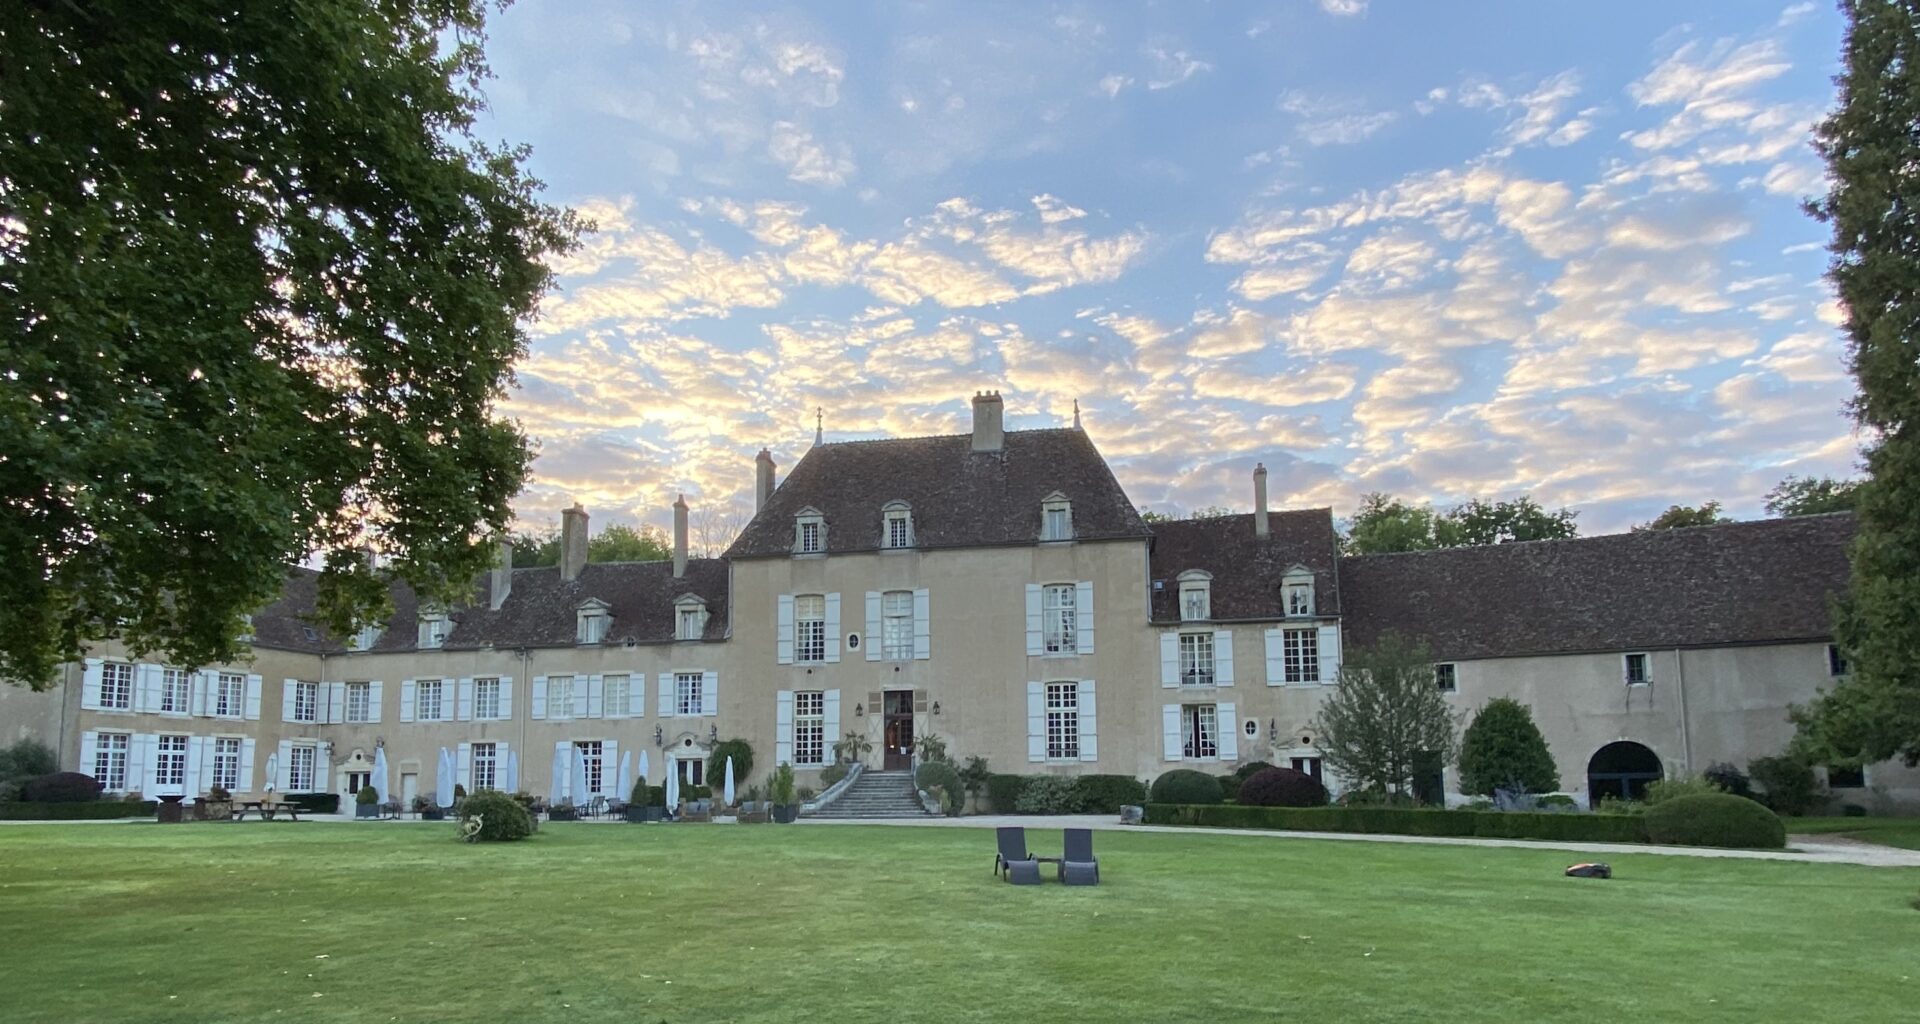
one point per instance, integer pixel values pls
(1247, 569)
(960, 498)
(1767, 581)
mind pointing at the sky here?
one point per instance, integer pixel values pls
(1442, 251)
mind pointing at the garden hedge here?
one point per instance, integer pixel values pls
(1282, 787)
(1410, 821)
(1081, 794)
(61, 788)
(1003, 791)
(1715, 819)
(1186, 786)
(97, 809)
(1106, 794)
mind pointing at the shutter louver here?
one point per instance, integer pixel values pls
(582, 687)
(1089, 723)
(666, 698)
(506, 698)
(538, 709)
(596, 706)
(922, 626)
(465, 710)
(1169, 659)
(246, 767)
(1083, 616)
(637, 695)
(89, 755)
(872, 639)
(830, 725)
(1228, 722)
(1329, 650)
(253, 698)
(323, 768)
(376, 695)
(1170, 746)
(1033, 620)
(833, 628)
(783, 727)
(463, 767)
(408, 692)
(90, 685)
(336, 702)
(1223, 657)
(783, 642)
(610, 771)
(1276, 658)
(709, 693)
(288, 688)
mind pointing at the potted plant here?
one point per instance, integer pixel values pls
(562, 811)
(366, 803)
(424, 806)
(217, 806)
(639, 808)
(786, 800)
(169, 810)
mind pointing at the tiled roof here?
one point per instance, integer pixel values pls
(960, 498)
(1246, 569)
(1757, 582)
(286, 624)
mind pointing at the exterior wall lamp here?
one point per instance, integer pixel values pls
(859, 711)
(659, 737)
(936, 707)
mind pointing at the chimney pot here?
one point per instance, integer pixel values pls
(680, 537)
(1261, 526)
(502, 577)
(989, 434)
(763, 482)
(573, 542)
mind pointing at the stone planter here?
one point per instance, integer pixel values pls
(366, 810)
(433, 814)
(562, 814)
(170, 811)
(785, 814)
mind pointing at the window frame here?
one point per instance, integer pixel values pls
(238, 705)
(615, 705)
(809, 533)
(896, 625)
(1056, 520)
(809, 649)
(689, 694)
(1198, 661)
(1837, 666)
(357, 707)
(896, 526)
(593, 754)
(1060, 618)
(119, 676)
(689, 618)
(810, 728)
(1446, 676)
(484, 754)
(170, 760)
(306, 701)
(295, 763)
(560, 696)
(486, 705)
(1062, 702)
(592, 625)
(1627, 663)
(420, 690)
(226, 763)
(433, 630)
(176, 691)
(1300, 655)
(1195, 720)
(1192, 593)
(111, 752)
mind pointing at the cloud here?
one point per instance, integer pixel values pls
(808, 161)
(1112, 84)
(1171, 66)
(1344, 8)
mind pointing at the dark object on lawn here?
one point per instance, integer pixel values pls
(1590, 871)
(1078, 865)
(1132, 814)
(1020, 865)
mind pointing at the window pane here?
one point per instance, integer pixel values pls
(1063, 720)
(809, 727)
(1058, 622)
(897, 625)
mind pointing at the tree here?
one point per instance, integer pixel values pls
(1385, 524)
(715, 528)
(617, 543)
(1810, 496)
(265, 288)
(1503, 749)
(1386, 716)
(1871, 146)
(1678, 517)
(1150, 517)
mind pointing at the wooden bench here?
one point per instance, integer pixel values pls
(266, 811)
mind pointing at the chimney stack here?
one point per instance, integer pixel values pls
(1260, 526)
(502, 579)
(573, 542)
(988, 433)
(680, 537)
(762, 479)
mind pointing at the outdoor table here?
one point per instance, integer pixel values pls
(265, 810)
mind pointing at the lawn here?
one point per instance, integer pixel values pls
(362, 922)
(1901, 832)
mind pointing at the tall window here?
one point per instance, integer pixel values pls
(486, 697)
(434, 628)
(809, 535)
(116, 685)
(359, 702)
(1200, 731)
(687, 695)
(429, 700)
(1444, 677)
(174, 687)
(483, 766)
(1056, 520)
(110, 761)
(300, 761)
(896, 611)
(690, 622)
(810, 627)
(1309, 766)
(306, 702)
(1059, 626)
(693, 771)
(593, 627)
(590, 753)
(617, 692)
(1299, 597)
(226, 763)
(810, 727)
(1636, 670)
(1196, 659)
(1063, 720)
(898, 528)
(1300, 655)
(559, 696)
(366, 638)
(170, 761)
(230, 697)
(1195, 601)
(1836, 662)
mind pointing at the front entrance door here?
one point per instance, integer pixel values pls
(356, 781)
(899, 734)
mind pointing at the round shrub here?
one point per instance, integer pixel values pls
(367, 796)
(1789, 784)
(1185, 786)
(1282, 787)
(1715, 819)
(742, 755)
(61, 788)
(1250, 769)
(501, 817)
(1106, 794)
(941, 780)
(1730, 778)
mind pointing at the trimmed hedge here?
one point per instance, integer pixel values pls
(1715, 819)
(1106, 794)
(1282, 787)
(1064, 794)
(1050, 794)
(61, 788)
(1186, 786)
(315, 803)
(1409, 821)
(1003, 791)
(98, 809)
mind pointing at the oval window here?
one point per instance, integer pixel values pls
(1252, 728)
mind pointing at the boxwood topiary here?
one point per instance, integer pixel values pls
(1251, 768)
(501, 818)
(1282, 787)
(61, 788)
(367, 796)
(1106, 794)
(1715, 819)
(1003, 791)
(941, 780)
(1186, 786)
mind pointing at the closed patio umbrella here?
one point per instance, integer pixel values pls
(378, 780)
(557, 789)
(623, 787)
(643, 768)
(510, 773)
(443, 780)
(580, 794)
(273, 772)
(729, 793)
(673, 785)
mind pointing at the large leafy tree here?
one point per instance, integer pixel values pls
(1385, 524)
(1871, 142)
(265, 288)
(617, 543)
(1812, 496)
(1503, 749)
(1678, 517)
(1386, 718)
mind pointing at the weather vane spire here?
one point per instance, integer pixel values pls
(1076, 414)
(819, 425)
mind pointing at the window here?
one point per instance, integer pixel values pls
(484, 762)
(810, 628)
(174, 687)
(226, 763)
(590, 753)
(1056, 519)
(300, 759)
(429, 699)
(617, 693)
(690, 620)
(1444, 678)
(1636, 670)
(559, 696)
(1309, 766)
(170, 761)
(1058, 625)
(1299, 597)
(486, 698)
(1196, 602)
(1199, 731)
(1300, 655)
(693, 771)
(246, 629)
(110, 761)
(359, 702)
(809, 533)
(896, 625)
(593, 625)
(896, 527)
(1196, 659)
(1839, 777)
(230, 696)
(687, 695)
(434, 628)
(366, 638)
(116, 686)
(1836, 662)
(1063, 720)
(306, 702)
(810, 727)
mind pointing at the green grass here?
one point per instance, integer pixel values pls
(1901, 832)
(585, 923)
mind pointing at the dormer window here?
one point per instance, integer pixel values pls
(594, 619)
(1056, 517)
(809, 533)
(246, 629)
(1296, 590)
(896, 525)
(434, 628)
(689, 618)
(367, 637)
(1196, 596)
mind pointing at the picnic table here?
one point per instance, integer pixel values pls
(266, 809)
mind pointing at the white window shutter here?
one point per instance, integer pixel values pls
(1227, 721)
(336, 702)
(610, 771)
(1033, 619)
(1276, 658)
(666, 698)
(539, 706)
(709, 693)
(582, 695)
(1170, 746)
(1329, 644)
(506, 698)
(246, 767)
(376, 693)
(146, 687)
(783, 727)
(407, 694)
(830, 723)
(465, 710)
(1089, 724)
(463, 767)
(283, 767)
(253, 698)
(323, 768)
(1223, 657)
(1036, 721)
(140, 751)
(1083, 616)
(1170, 659)
(89, 753)
(922, 626)
(784, 627)
(90, 685)
(596, 706)
(287, 688)
(637, 695)
(833, 628)
(198, 754)
(872, 639)
(197, 703)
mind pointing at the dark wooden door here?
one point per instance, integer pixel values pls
(898, 755)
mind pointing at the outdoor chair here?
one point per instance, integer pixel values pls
(696, 810)
(1013, 857)
(595, 808)
(755, 812)
(1078, 865)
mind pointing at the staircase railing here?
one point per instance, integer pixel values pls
(835, 791)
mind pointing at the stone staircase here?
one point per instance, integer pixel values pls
(876, 795)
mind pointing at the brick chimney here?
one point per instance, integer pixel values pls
(501, 583)
(680, 537)
(573, 542)
(762, 479)
(1260, 526)
(988, 413)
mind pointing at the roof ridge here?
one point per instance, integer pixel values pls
(937, 437)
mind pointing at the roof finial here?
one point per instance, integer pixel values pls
(819, 421)
(1076, 414)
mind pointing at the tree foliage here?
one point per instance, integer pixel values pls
(265, 288)
(1678, 517)
(1812, 496)
(1872, 143)
(617, 543)
(1385, 524)
(1386, 717)
(1503, 749)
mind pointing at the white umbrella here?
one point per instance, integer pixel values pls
(643, 767)
(673, 785)
(510, 773)
(443, 780)
(378, 780)
(580, 794)
(624, 787)
(557, 790)
(273, 771)
(729, 780)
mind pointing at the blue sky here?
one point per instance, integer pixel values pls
(1443, 251)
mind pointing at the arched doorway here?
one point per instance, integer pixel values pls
(1621, 769)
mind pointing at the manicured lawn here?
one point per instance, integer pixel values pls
(342, 922)
(1901, 832)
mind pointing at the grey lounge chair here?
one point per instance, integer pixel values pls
(1079, 866)
(1013, 858)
